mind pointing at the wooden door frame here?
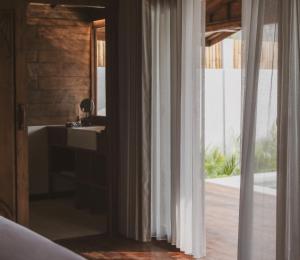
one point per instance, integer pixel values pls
(22, 175)
(8, 201)
(18, 210)
(22, 172)
(112, 112)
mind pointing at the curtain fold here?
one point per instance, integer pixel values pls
(288, 225)
(135, 121)
(178, 32)
(257, 221)
(253, 17)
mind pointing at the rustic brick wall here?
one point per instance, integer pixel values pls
(58, 64)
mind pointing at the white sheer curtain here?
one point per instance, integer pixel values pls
(257, 226)
(178, 29)
(289, 132)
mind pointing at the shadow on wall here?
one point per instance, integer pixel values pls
(38, 159)
(38, 163)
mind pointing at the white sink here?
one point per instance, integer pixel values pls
(84, 137)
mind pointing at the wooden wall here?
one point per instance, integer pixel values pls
(213, 56)
(58, 63)
(268, 59)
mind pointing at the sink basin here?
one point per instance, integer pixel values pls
(84, 137)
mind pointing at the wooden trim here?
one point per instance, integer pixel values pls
(8, 207)
(93, 69)
(95, 25)
(22, 177)
(99, 23)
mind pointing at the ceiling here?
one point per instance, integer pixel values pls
(223, 18)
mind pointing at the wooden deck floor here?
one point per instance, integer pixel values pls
(222, 209)
(222, 213)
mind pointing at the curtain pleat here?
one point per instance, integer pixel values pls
(135, 114)
(177, 135)
(176, 31)
(162, 113)
(161, 122)
(253, 17)
(288, 216)
(146, 121)
(192, 191)
(257, 220)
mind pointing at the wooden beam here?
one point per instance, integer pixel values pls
(233, 23)
(215, 38)
(72, 3)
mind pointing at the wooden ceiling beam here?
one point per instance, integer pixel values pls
(215, 38)
(72, 3)
(223, 19)
(230, 24)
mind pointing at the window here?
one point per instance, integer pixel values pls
(99, 69)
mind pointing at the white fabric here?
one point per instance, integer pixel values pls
(257, 225)
(19, 243)
(178, 30)
(289, 132)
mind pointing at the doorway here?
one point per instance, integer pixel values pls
(222, 140)
(68, 181)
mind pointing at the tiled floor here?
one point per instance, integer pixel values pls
(59, 219)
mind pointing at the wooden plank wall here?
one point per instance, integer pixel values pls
(269, 55)
(213, 56)
(214, 60)
(58, 63)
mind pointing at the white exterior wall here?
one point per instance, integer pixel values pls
(223, 113)
(215, 104)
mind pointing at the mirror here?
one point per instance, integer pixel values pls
(87, 106)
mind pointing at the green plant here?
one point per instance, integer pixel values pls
(231, 166)
(266, 152)
(218, 165)
(214, 162)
